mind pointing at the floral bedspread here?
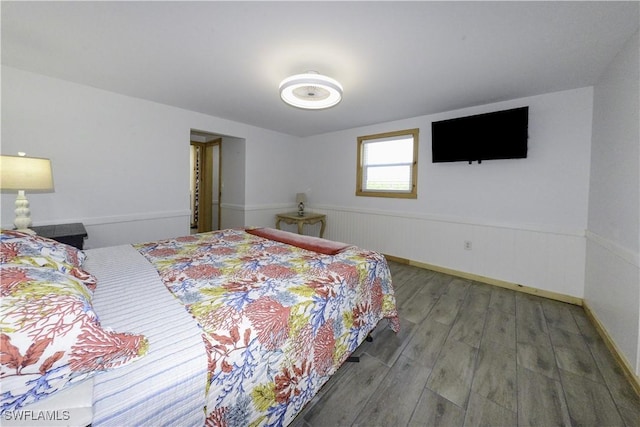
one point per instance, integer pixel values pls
(278, 320)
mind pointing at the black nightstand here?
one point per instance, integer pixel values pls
(70, 234)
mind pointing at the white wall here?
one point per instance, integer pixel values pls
(612, 286)
(272, 167)
(121, 164)
(526, 218)
(233, 153)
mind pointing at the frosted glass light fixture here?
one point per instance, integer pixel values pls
(23, 173)
(311, 91)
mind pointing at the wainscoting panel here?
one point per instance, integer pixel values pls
(231, 216)
(265, 215)
(546, 260)
(136, 228)
(612, 291)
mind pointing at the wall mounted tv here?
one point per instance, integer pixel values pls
(496, 135)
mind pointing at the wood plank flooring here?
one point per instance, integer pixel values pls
(471, 354)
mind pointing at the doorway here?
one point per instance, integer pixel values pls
(205, 185)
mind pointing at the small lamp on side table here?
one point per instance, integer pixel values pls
(301, 199)
(25, 173)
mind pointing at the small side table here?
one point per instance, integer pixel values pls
(70, 234)
(307, 218)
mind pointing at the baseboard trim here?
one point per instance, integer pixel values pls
(633, 379)
(613, 348)
(490, 281)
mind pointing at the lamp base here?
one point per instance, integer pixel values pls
(23, 213)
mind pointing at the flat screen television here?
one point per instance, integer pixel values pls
(489, 136)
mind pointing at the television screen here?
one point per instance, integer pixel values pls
(496, 135)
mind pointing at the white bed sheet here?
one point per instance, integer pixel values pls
(166, 386)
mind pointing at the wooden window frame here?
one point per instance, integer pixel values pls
(362, 140)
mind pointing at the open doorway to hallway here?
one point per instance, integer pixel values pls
(205, 180)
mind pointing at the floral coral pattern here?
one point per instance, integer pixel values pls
(17, 243)
(51, 337)
(18, 247)
(277, 320)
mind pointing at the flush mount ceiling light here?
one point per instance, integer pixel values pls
(311, 91)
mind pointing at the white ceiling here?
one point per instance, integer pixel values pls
(395, 59)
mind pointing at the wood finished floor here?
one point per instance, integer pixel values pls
(471, 354)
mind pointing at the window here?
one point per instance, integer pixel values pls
(388, 164)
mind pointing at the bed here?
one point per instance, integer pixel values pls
(228, 328)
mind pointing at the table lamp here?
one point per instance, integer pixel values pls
(301, 199)
(24, 173)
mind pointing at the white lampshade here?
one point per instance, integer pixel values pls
(20, 173)
(310, 91)
(25, 173)
(301, 198)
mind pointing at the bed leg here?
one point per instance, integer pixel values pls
(356, 359)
